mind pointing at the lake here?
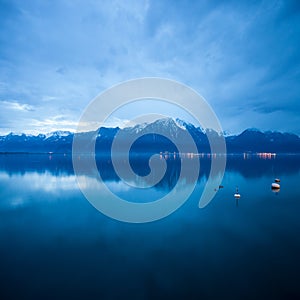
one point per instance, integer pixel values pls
(55, 245)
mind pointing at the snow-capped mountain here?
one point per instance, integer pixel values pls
(162, 126)
(61, 141)
(56, 135)
(52, 142)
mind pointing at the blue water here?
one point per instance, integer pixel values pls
(55, 245)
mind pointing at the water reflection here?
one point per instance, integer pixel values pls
(58, 164)
(53, 239)
(237, 202)
(20, 189)
(53, 174)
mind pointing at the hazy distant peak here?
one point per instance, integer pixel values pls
(252, 129)
(57, 134)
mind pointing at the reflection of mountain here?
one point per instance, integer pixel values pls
(61, 142)
(253, 166)
(57, 165)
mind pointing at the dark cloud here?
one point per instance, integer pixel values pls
(242, 56)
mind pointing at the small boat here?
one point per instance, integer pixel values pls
(237, 194)
(275, 186)
(277, 180)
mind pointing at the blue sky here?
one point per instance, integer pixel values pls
(243, 57)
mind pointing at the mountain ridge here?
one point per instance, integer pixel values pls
(250, 140)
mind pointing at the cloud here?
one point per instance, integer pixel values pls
(14, 105)
(242, 57)
(59, 122)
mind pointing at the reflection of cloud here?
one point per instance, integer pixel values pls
(117, 186)
(33, 183)
(17, 201)
(37, 181)
(19, 190)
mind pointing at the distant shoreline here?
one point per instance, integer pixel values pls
(202, 154)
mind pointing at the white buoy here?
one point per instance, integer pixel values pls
(277, 180)
(275, 186)
(237, 194)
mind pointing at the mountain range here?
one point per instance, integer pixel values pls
(250, 140)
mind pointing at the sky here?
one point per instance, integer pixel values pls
(243, 57)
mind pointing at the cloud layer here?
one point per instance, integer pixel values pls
(55, 56)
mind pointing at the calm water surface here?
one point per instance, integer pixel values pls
(55, 245)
